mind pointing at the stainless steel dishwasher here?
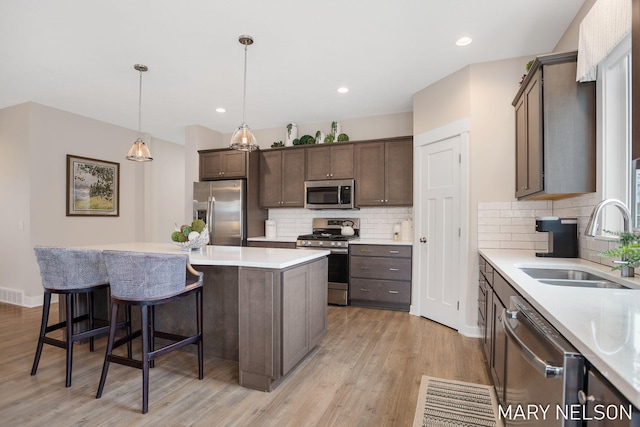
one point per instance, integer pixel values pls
(544, 372)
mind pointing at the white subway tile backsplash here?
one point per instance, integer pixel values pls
(375, 223)
(516, 222)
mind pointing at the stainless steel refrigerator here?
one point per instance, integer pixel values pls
(222, 206)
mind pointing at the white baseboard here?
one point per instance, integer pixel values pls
(17, 297)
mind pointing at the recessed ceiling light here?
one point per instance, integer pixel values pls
(343, 89)
(221, 110)
(463, 41)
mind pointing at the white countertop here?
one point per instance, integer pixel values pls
(359, 241)
(365, 241)
(226, 255)
(603, 324)
(286, 239)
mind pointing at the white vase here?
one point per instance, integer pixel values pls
(320, 137)
(292, 133)
(335, 130)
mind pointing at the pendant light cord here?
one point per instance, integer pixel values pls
(140, 108)
(244, 88)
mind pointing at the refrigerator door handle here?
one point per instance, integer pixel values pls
(210, 219)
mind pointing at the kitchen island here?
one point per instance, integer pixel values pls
(265, 308)
(600, 323)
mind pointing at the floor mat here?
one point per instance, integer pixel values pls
(443, 403)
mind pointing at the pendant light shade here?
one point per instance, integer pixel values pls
(139, 152)
(243, 138)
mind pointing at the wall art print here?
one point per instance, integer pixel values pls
(93, 187)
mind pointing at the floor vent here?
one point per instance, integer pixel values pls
(12, 296)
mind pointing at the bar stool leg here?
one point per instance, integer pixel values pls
(69, 332)
(112, 333)
(144, 309)
(90, 312)
(199, 327)
(43, 330)
(127, 317)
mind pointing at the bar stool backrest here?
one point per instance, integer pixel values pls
(67, 269)
(142, 276)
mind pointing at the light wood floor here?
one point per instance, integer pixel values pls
(365, 372)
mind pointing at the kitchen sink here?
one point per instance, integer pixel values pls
(584, 283)
(562, 274)
(571, 277)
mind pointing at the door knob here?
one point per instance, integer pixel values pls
(423, 240)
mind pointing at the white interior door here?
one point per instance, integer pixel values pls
(439, 230)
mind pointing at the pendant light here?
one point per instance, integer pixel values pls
(243, 138)
(139, 152)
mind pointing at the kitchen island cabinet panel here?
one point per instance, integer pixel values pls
(282, 318)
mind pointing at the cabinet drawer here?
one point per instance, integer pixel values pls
(395, 251)
(381, 290)
(381, 268)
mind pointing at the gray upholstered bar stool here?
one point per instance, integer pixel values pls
(69, 272)
(146, 280)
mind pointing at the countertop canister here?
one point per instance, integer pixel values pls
(270, 229)
(406, 230)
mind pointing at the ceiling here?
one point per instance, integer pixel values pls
(78, 55)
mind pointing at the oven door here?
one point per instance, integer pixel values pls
(339, 277)
(338, 272)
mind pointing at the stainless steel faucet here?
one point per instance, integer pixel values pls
(594, 220)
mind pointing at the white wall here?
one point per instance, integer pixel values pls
(483, 93)
(35, 141)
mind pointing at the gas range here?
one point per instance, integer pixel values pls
(327, 233)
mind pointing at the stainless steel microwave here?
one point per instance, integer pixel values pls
(330, 194)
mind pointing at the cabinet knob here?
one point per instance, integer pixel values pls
(583, 397)
(423, 240)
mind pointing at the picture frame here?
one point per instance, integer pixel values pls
(93, 187)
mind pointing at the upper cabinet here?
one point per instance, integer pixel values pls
(282, 178)
(555, 131)
(384, 172)
(329, 161)
(222, 164)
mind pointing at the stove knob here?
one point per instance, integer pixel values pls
(334, 243)
(320, 243)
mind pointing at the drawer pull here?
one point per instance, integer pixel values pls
(365, 268)
(364, 290)
(365, 250)
(394, 269)
(394, 252)
(393, 292)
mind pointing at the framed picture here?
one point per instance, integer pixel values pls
(93, 187)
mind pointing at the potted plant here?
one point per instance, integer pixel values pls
(628, 252)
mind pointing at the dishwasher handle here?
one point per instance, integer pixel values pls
(548, 371)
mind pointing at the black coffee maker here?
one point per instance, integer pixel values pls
(563, 236)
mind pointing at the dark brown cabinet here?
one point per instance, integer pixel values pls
(602, 395)
(380, 276)
(498, 295)
(282, 174)
(555, 127)
(282, 317)
(222, 164)
(330, 161)
(267, 244)
(384, 172)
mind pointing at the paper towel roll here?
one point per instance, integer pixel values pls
(406, 230)
(270, 229)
